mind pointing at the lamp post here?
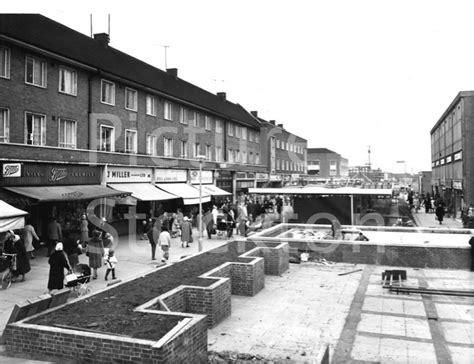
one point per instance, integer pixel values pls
(200, 158)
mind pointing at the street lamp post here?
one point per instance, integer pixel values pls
(200, 158)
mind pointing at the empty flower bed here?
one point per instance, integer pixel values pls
(160, 317)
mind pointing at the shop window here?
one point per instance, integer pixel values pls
(35, 129)
(4, 62)
(4, 125)
(107, 138)
(107, 92)
(35, 72)
(67, 134)
(67, 81)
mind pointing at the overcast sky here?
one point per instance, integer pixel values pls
(344, 74)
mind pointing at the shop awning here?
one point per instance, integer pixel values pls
(11, 218)
(66, 193)
(212, 190)
(143, 191)
(188, 193)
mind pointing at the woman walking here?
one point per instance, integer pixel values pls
(164, 240)
(95, 252)
(186, 232)
(57, 264)
(84, 229)
(22, 260)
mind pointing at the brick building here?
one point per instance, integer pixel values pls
(452, 153)
(324, 163)
(283, 153)
(73, 106)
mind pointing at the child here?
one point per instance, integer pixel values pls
(110, 262)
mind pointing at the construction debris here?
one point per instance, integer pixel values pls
(233, 357)
(352, 271)
(422, 290)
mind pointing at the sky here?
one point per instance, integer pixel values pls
(346, 75)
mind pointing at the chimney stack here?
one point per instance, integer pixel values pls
(172, 72)
(102, 38)
(222, 95)
(280, 125)
(272, 122)
(254, 113)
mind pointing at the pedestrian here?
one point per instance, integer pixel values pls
(95, 252)
(427, 202)
(29, 234)
(72, 249)
(152, 235)
(164, 240)
(230, 220)
(84, 227)
(57, 264)
(108, 241)
(55, 235)
(22, 259)
(110, 261)
(361, 237)
(440, 212)
(175, 226)
(186, 233)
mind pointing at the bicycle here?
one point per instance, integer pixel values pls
(7, 267)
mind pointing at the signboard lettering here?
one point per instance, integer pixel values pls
(11, 170)
(126, 174)
(171, 175)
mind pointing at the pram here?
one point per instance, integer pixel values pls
(78, 280)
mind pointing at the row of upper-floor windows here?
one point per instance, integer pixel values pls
(36, 74)
(242, 157)
(287, 165)
(290, 147)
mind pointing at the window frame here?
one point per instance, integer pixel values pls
(42, 131)
(112, 138)
(168, 111)
(150, 145)
(167, 150)
(243, 133)
(218, 153)
(219, 126)
(60, 121)
(230, 129)
(5, 73)
(153, 104)
(207, 123)
(135, 99)
(112, 84)
(44, 69)
(208, 152)
(73, 72)
(6, 125)
(196, 149)
(183, 149)
(135, 141)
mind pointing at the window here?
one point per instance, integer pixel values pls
(4, 125)
(35, 129)
(168, 147)
(151, 144)
(151, 105)
(244, 133)
(218, 154)
(107, 138)
(190, 117)
(237, 156)
(130, 141)
(198, 120)
(107, 92)
(181, 111)
(230, 155)
(67, 81)
(257, 137)
(218, 126)
(184, 149)
(277, 143)
(208, 152)
(237, 131)
(251, 135)
(332, 168)
(131, 97)
(196, 149)
(168, 111)
(257, 158)
(207, 122)
(4, 62)
(230, 130)
(35, 72)
(244, 157)
(67, 134)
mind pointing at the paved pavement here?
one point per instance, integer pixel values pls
(429, 220)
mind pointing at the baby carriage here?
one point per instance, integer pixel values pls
(78, 281)
(7, 268)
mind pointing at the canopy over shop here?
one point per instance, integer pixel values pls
(11, 218)
(206, 183)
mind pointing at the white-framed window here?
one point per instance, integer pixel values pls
(257, 158)
(4, 125)
(332, 168)
(4, 62)
(244, 157)
(244, 133)
(130, 141)
(167, 147)
(199, 117)
(35, 129)
(151, 144)
(67, 81)
(208, 152)
(277, 164)
(277, 143)
(230, 129)
(107, 138)
(251, 158)
(219, 126)
(190, 117)
(67, 137)
(35, 71)
(236, 156)
(219, 154)
(181, 116)
(257, 137)
(168, 110)
(207, 122)
(151, 105)
(183, 150)
(131, 99)
(107, 92)
(230, 155)
(237, 131)
(251, 135)
(196, 149)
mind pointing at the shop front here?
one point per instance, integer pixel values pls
(206, 183)
(457, 198)
(224, 180)
(276, 180)
(263, 180)
(63, 192)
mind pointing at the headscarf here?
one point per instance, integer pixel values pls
(59, 246)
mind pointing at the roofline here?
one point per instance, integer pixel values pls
(458, 97)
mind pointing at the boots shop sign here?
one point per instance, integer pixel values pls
(19, 174)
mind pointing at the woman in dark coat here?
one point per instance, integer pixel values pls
(95, 252)
(57, 264)
(22, 259)
(440, 212)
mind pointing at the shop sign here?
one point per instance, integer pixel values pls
(128, 174)
(457, 185)
(275, 177)
(262, 176)
(240, 175)
(36, 174)
(171, 175)
(295, 176)
(449, 159)
(441, 161)
(206, 177)
(11, 170)
(245, 184)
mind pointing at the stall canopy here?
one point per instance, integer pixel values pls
(66, 193)
(212, 190)
(11, 218)
(143, 191)
(189, 194)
